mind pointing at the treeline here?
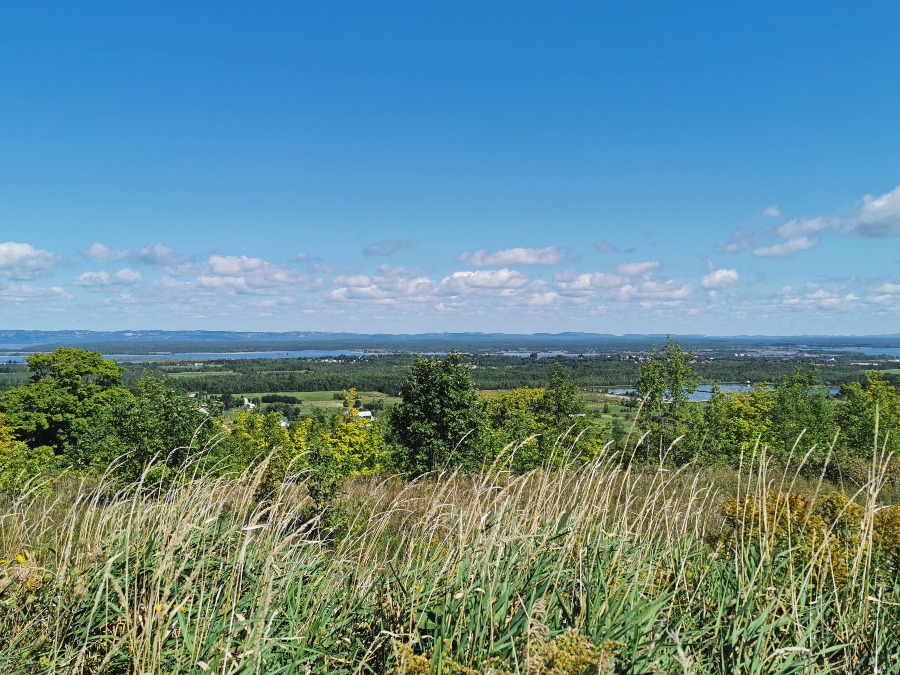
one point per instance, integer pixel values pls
(386, 373)
(77, 413)
(793, 422)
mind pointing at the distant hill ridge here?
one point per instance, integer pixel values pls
(136, 341)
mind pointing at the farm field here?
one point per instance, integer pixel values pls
(325, 399)
(200, 373)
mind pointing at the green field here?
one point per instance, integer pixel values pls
(325, 399)
(200, 373)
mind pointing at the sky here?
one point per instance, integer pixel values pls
(408, 167)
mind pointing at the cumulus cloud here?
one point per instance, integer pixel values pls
(787, 249)
(637, 268)
(244, 275)
(873, 216)
(818, 297)
(155, 253)
(124, 277)
(656, 290)
(26, 293)
(514, 256)
(771, 211)
(545, 299)
(554, 299)
(720, 278)
(387, 247)
(799, 227)
(741, 240)
(23, 261)
(876, 216)
(588, 281)
(388, 285)
(483, 280)
(160, 255)
(102, 253)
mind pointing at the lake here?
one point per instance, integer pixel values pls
(209, 356)
(704, 391)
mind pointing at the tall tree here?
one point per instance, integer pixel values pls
(870, 422)
(664, 387)
(65, 390)
(437, 423)
(803, 419)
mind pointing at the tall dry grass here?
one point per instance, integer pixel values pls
(597, 567)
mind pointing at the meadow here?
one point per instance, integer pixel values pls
(597, 567)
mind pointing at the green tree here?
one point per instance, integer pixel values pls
(869, 418)
(66, 389)
(437, 423)
(737, 424)
(355, 442)
(18, 463)
(666, 412)
(803, 420)
(162, 425)
(513, 426)
(75, 370)
(568, 427)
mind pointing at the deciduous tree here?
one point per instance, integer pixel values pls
(437, 424)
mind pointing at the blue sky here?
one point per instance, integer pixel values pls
(691, 167)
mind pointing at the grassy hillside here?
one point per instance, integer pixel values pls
(595, 567)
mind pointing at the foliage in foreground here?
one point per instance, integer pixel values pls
(594, 567)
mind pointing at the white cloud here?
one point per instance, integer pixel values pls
(889, 288)
(877, 216)
(389, 285)
(26, 293)
(720, 278)
(741, 240)
(483, 280)
(102, 253)
(588, 281)
(23, 261)
(243, 275)
(787, 249)
(545, 299)
(160, 255)
(656, 290)
(798, 227)
(554, 299)
(636, 268)
(815, 296)
(155, 253)
(515, 256)
(230, 265)
(124, 277)
(873, 216)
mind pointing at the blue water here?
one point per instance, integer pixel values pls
(209, 356)
(867, 351)
(540, 355)
(704, 391)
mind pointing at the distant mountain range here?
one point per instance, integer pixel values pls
(140, 341)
